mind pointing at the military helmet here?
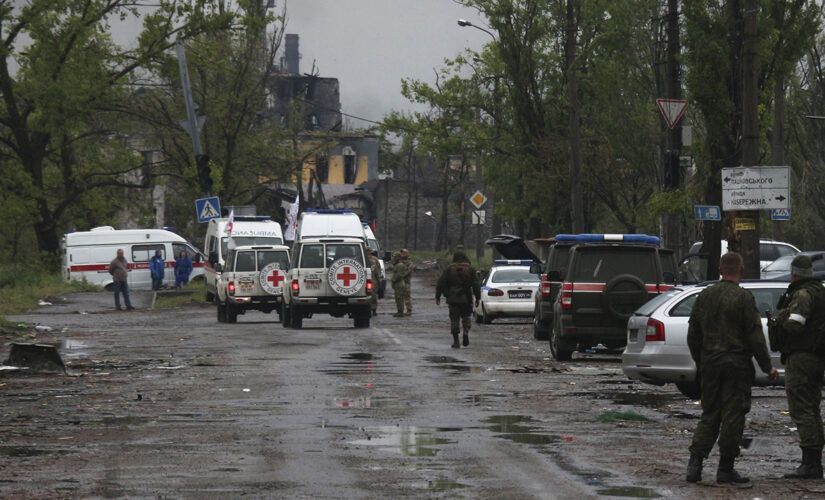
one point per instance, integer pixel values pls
(802, 266)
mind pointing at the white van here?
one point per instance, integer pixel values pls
(246, 230)
(769, 250)
(372, 243)
(87, 254)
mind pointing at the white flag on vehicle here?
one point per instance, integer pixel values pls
(292, 220)
(230, 244)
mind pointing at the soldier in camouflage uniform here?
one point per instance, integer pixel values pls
(398, 283)
(459, 283)
(408, 270)
(725, 332)
(798, 333)
(375, 268)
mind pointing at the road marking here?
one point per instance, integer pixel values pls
(391, 335)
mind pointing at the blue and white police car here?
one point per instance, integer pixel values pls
(508, 290)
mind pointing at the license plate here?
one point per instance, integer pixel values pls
(246, 287)
(520, 294)
(312, 284)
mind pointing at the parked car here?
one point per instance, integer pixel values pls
(782, 266)
(608, 276)
(769, 250)
(657, 350)
(507, 291)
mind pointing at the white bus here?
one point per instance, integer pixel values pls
(87, 254)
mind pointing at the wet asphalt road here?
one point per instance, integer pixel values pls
(171, 404)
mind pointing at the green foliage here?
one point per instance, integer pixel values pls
(22, 286)
(191, 294)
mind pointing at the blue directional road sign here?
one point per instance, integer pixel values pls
(207, 209)
(781, 214)
(707, 212)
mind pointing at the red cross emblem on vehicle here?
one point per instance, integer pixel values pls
(275, 278)
(346, 276)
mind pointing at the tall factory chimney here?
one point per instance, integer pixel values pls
(291, 54)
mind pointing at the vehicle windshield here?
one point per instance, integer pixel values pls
(781, 264)
(602, 264)
(373, 244)
(249, 240)
(514, 276)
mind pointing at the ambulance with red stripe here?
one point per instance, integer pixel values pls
(330, 273)
(607, 277)
(87, 254)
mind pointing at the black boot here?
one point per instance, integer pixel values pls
(455, 341)
(694, 469)
(811, 467)
(466, 337)
(726, 474)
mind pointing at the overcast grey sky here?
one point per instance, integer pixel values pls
(370, 45)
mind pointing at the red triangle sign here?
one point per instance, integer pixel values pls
(672, 110)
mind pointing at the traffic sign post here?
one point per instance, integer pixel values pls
(478, 217)
(781, 214)
(672, 110)
(478, 199)
(707, 212)
(207, 209)
(755, 188)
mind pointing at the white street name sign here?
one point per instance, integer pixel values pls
(755, 188)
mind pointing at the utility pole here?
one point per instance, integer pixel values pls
(193, 123)
(574, 126)
(673, 145)
(750, 130)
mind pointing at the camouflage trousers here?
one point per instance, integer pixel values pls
(402, 296)
(460, 312)
(803, 385)
(726, 399)
(374, 300)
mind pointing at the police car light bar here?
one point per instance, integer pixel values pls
(502, 262)
(329, 210)
(606, 238)
(250, 217)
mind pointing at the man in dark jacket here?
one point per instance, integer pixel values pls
(119, 268)
(801, 327)
(158, 269)
(725, 332)
(459, 283)
(183, 268)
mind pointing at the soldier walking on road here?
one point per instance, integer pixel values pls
(408, 270)
(459, 284)
(798, 333)
(725, 333)
(375, 268)
(401, 280)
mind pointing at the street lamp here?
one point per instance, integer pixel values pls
(464, 23)
(429, 214)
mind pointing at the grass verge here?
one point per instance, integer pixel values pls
(181, 296)
(21, 288)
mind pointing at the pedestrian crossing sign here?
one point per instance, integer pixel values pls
(207, 209)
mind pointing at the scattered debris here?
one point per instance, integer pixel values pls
(36, 358)
(43, 328)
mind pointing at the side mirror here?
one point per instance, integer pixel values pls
(213, 258)
(554, 275)
(219, 268)
(669, 277)
(535, 268)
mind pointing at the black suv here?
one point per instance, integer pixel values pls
(606, 278)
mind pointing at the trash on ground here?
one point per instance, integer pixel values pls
(36, 358)
(43, 328)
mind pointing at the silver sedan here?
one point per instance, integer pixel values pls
(657, 350)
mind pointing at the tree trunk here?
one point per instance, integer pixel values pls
(750, 129)
(576, 203)
(778, 140)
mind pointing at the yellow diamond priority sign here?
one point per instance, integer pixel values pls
(478, 199)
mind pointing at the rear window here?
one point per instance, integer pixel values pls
(654, 303)
(266, 257)
(312, 256)
(245, 261)
(514, 276)
(558, 258)
(343, 251)
(601, 264)
(766, 300)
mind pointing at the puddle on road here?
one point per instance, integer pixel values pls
(354, 362)
(646, 399)
(360, 356)
(511, 427)
(482, 398)
(453, 364)
(408, 440)
(629, 492)
(25, 451)
(364, 402)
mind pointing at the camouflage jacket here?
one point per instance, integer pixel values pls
(724, 321)
(375, 268)
(402, 271)
(458, 283)
(801, 321)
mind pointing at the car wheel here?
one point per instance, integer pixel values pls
(362, 320)
(210, 296)
(231, 314)
(690, 389)
(540, 329)
(297, 318)
(286, 318)
(485, 318)
(221, 312)
(624, 294)
(558, 349)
